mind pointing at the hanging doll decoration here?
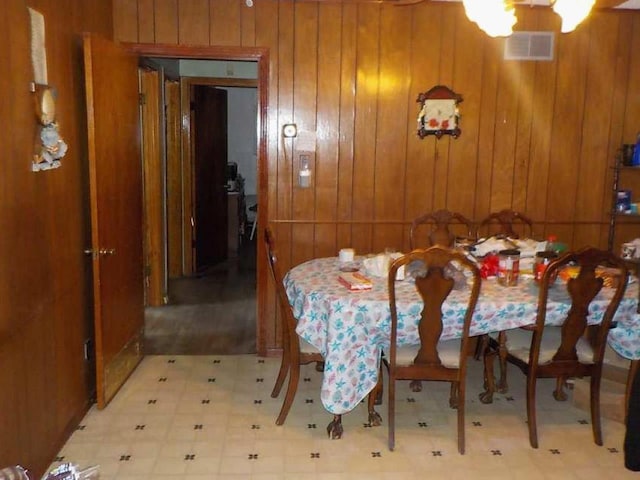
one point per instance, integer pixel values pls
(50, 147)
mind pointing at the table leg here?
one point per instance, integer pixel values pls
(502, 386)
(490, 352)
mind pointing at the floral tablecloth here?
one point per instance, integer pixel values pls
(351, 328)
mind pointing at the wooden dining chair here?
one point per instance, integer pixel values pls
(440, 234)
(502, 223)
(295, 350)
(433, 359)
(573, 349)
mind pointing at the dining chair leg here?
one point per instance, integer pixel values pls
(461, 397)
(531, 411)
(294, 376)
(633, 368)
(391, 420)
(282, 374)
(595, 409)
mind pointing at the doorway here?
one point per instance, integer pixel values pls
(260, 109)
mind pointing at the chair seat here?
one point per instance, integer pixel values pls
(448, 351)
(519, 343)
(306, 347)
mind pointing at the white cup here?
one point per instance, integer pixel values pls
(346, 255)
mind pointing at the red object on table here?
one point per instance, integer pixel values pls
(489, 266)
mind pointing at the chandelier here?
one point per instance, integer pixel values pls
(497, 17)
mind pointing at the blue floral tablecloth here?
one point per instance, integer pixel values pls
(351, 328)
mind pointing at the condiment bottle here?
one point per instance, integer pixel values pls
(542, 260)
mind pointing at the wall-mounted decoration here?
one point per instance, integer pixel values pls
(49, 146)
(439, 114)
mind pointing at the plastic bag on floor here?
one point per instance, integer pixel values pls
(68, 471)
(14, 473)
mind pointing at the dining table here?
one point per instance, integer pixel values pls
(352, 328)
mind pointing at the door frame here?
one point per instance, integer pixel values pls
(261, 56)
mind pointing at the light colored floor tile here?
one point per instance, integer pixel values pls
(212, 420)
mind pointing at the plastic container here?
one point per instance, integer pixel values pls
(508, 267)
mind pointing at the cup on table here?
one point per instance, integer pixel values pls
(346, 259)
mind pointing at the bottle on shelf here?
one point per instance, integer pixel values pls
(635, 159)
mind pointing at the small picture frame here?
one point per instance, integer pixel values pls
(439, 114)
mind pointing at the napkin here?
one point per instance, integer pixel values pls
(378, 265)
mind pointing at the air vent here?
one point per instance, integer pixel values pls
(529, 46)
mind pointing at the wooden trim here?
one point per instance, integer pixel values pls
(153, 178)
(261, 55)
(187, 173)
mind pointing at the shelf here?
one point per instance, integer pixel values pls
(623, 214)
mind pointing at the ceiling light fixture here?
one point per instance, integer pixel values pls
(495, 17)
(572, 12)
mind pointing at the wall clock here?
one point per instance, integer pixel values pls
(439, 114)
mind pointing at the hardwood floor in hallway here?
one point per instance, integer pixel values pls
(213, 313)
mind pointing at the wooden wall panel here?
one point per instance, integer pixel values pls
(346, 124)
(193, 22)
(166, 21)
(421, 156)
(45, 308)
(461, 175)
(530, 139)
(225, 22)
(327, 129)
(542, 108)
(366, 126)
(305, 74)
(125, 20)
(146, 21)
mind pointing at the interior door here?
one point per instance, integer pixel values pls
(210, 164)
(115, 183)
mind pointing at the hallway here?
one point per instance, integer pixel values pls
(213, 313)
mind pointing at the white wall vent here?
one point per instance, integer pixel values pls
(529, 46)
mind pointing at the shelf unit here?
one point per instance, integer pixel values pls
(618, 170)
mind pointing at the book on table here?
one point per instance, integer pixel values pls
(355, 281)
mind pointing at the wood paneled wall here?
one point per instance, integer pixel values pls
(538, 137)
(44, 276)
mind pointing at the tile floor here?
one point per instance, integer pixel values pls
(212, 417)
